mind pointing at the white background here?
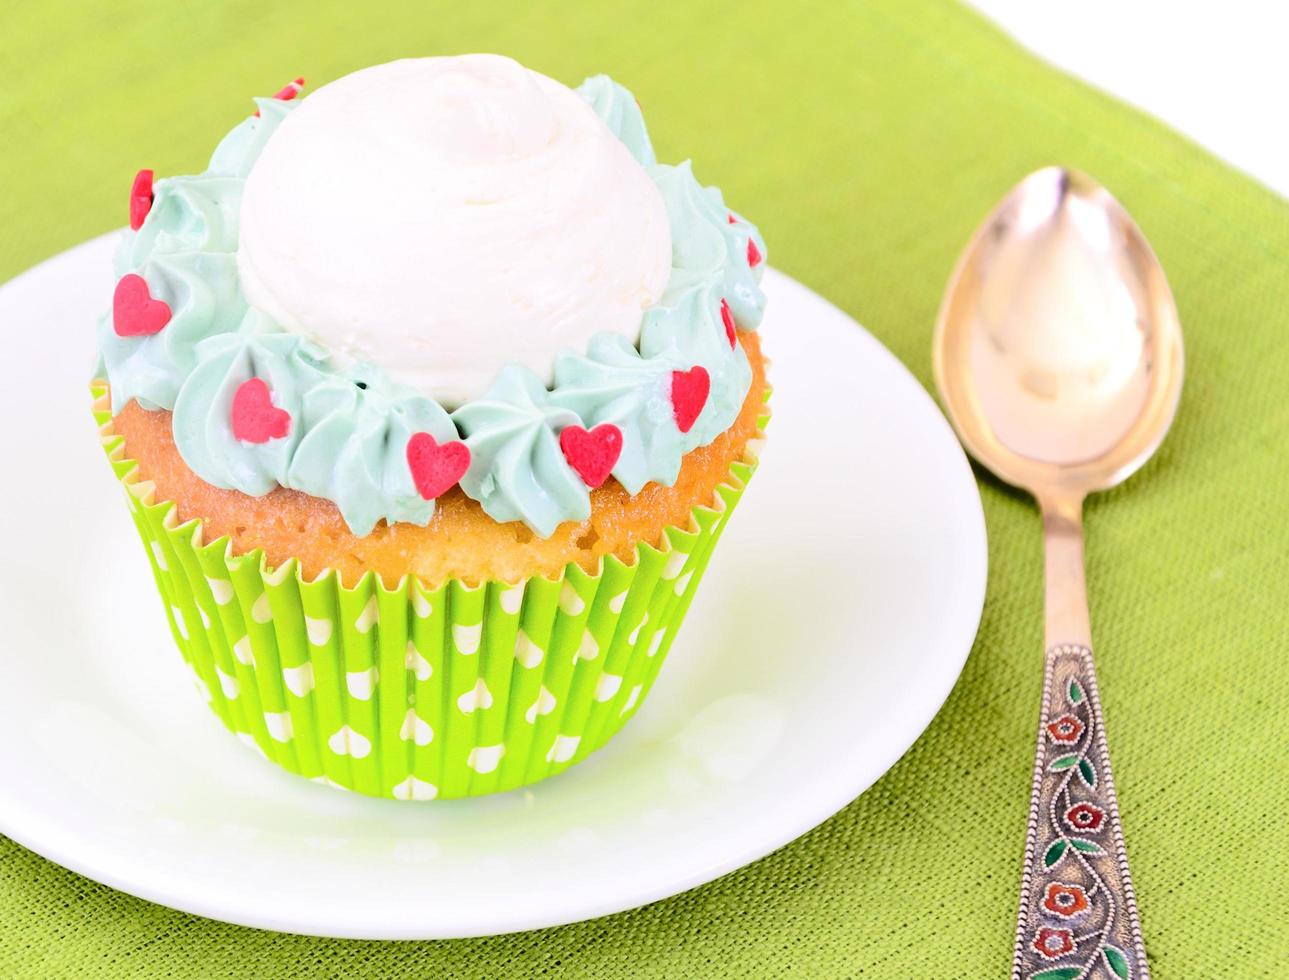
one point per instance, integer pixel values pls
(1218, 72)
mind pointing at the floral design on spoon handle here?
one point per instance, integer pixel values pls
(1078, 916)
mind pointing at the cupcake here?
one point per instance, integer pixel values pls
(431, 396)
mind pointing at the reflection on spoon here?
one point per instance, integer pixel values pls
(1057, 338)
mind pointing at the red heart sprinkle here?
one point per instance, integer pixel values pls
(435, 468)
(688, 395)
(255, 417)
(592, 453)
(286, 93)
(289, 92)
(140, 198)
(753, 253)
(134, 312)
(727, 318)
(733, 220)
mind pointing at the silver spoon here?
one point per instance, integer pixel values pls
(1058, 354)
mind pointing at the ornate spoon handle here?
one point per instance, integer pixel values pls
(1078, 917)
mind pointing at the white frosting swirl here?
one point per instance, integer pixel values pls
(444, 217)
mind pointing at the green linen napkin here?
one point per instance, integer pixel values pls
(867, 139)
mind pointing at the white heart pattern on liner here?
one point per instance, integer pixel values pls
(682, 583)
(528, 653)
(319, 630)
(412, 788)
(421, 605)
(484, 759)
(415, 661)
(242, 651)
(298, 680)
(369, 617)
(279, 725)
(475, 699)
(221, 590)
(261, 611)
(180, 623)
(635, 633)
(416, 729)
(466, 638)
(632, 698)
(564, 748)
(656, 642)
(544, 705)
(588, 649)
(511, 599)
(617, 602)
(570, 601)
(361, 683)
(346, 741)
(159, 556)
(607, 686)
(227, 684)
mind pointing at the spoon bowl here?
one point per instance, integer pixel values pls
(1058, 349)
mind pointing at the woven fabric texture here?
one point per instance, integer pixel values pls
(867, 139)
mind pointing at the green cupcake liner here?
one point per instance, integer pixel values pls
(415, 693)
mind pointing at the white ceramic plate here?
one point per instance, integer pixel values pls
(836, 616)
